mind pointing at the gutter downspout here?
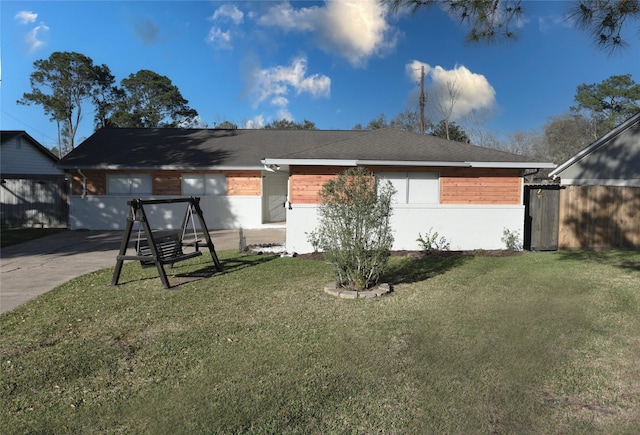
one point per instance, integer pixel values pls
(84, 183)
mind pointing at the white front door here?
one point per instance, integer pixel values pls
(275, 186)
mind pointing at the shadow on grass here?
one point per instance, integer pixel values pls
(414, 269)
(627, 260)
(180, 274)
(230, 265)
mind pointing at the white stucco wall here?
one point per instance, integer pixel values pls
(466, 227)
(110, 212)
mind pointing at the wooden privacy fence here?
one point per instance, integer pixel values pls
(599, 217)
(39, 201)
(541, 205)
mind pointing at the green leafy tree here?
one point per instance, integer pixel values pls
(379, 122)
(151, 100)
(408, 120)
(62, 85)
(105, 98)
(564, 136)
(285, 124)
(495, 20)
(354, 230)
(450, 131)
(225, 125)
(608, 103)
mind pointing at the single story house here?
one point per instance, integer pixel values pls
(600, 201)
(33, 189)
(253, 178)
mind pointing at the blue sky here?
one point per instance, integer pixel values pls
(334, 63)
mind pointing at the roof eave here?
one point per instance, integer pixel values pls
(162, 167)
(513, 165)
(424, 163)
(310, 162)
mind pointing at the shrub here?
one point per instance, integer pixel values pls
(512, 239)
(354, 231)
(430, 241)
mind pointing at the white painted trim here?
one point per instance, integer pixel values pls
(596, 182)
(362, 162)
(512, 165)
(409, 163)
(166, 167)
(310, 162)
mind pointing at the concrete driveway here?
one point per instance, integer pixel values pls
(35, 267)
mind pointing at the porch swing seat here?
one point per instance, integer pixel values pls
(169, 248)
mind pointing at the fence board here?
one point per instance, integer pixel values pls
(599, 217)
(38, 201)
(542, 217)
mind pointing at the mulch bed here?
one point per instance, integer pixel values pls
(419, 255)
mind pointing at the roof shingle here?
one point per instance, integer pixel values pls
(218, 148)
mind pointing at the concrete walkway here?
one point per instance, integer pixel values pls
(35, 267)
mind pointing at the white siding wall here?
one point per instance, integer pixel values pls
(465, 227)
(21, 157)
(110, 212)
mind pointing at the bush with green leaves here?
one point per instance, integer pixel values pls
(512, 239)
(354, 231)
(432, 241)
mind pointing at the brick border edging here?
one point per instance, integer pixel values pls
(379, 290)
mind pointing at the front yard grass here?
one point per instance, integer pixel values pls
(531, 343)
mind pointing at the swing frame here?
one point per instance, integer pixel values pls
(162, 249)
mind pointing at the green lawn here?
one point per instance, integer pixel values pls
(531, 343)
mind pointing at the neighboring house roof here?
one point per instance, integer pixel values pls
(612, 160)
(169, 148)
(8, 135)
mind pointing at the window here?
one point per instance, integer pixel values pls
(129, 184)
(413, 187)
(204, 184)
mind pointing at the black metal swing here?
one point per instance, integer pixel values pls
(162, 247)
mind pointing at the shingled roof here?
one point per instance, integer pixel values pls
(168, 148)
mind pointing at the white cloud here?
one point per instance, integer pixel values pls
(33, 38)
(279, 101)
(355, 30)
(287, 18)
(219, 39)
(275, 83)
(228, 13)
(474, 90)
(256, 122)
(26, 17)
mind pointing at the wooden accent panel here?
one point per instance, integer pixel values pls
(599, 217)
(167, 183)
(96, 182)
(469, 186)
(305, 182)
(244, 183)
